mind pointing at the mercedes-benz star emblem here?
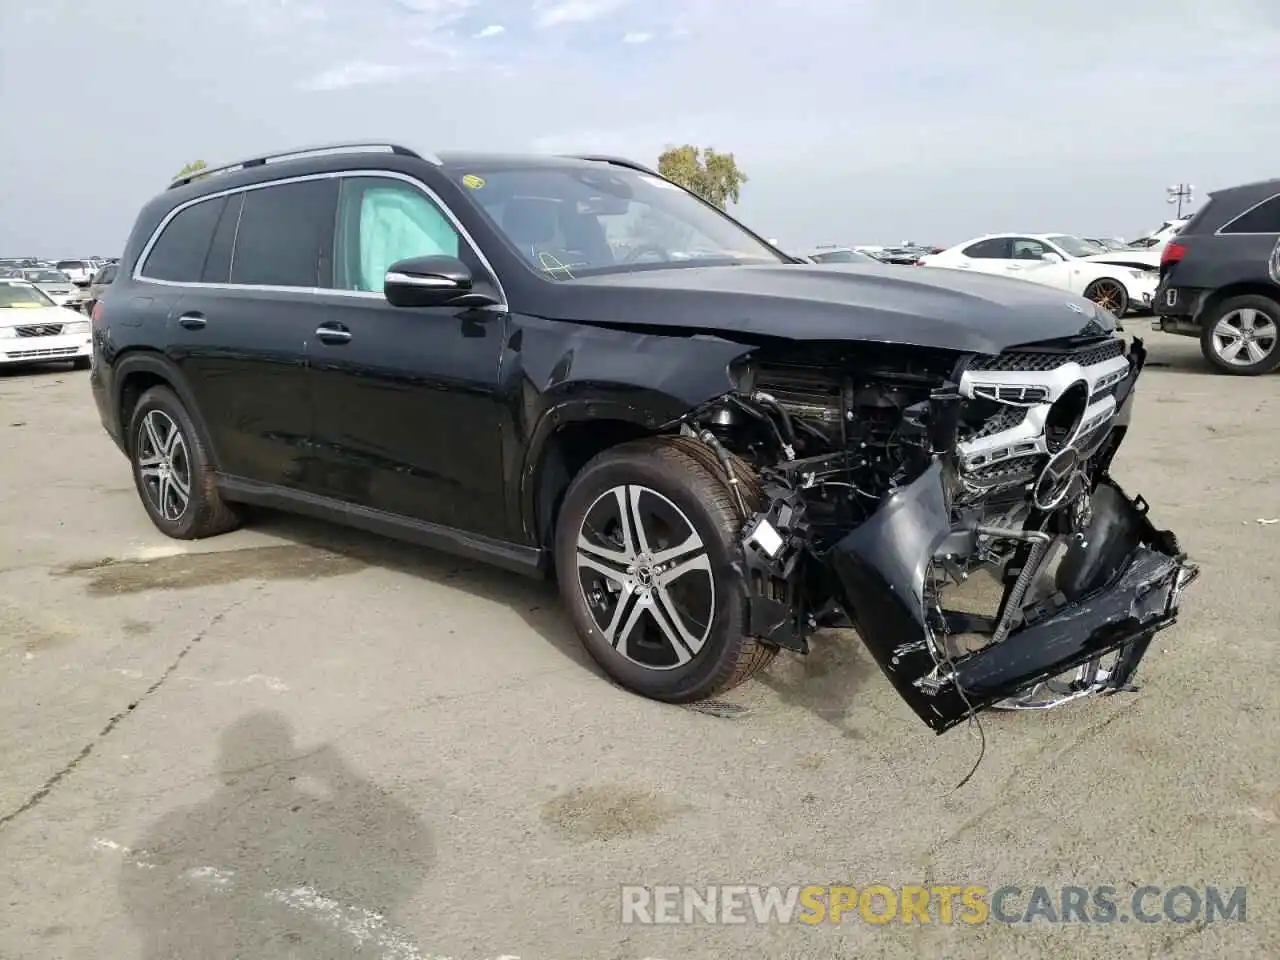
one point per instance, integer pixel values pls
(1058, 479)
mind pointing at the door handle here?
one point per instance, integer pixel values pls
(333, 333)
(1012, 267)
(192, 321)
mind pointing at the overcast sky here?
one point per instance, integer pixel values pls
(858, 121)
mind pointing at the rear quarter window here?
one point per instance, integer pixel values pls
(179, 253)
(1264, 218)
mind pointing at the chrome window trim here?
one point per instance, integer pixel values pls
(138, 276)
(1244, 213)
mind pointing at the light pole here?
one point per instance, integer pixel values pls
(1179, 193)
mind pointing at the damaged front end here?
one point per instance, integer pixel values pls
(879, 484)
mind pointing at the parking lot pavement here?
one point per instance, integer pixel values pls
(296, 741)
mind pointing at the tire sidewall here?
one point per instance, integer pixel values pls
(1263, 304)
(719, 654)
(166, 402)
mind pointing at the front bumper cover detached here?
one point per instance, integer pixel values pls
(1123, 585)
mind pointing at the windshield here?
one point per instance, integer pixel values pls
(840, 256)
(46, 276)
(575, 221)
(1075, 247)
(13, 295)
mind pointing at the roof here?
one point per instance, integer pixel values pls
(1269, 187)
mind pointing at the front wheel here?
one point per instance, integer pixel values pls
(1110, 295)
(1239, 336)
(644, 543)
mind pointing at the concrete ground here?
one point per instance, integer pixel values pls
(294, 741)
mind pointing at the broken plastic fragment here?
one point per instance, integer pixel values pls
(764, 536)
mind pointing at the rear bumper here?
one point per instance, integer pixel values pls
(1135, 576)
(103, 387)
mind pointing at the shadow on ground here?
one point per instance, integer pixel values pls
(295, 855)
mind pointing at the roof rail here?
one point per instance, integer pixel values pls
(616, 161)
(263, 158)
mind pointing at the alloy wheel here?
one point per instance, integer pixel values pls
(1108, 294)
(1244, 337)
(646, 577)
(164, 465)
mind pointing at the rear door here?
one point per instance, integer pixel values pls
(240, 334)
(986, 256)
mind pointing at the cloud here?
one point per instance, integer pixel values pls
(554, 13)
(490, 31)
(637, 37)
(358, 73)
(856, 122)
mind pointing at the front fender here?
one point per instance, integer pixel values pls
(568, 374)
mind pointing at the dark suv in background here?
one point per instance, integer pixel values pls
(1220, 280)
(571, 365)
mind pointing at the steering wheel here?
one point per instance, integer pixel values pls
(641, 250)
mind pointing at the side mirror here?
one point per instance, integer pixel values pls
(1051, 258)
(432, 282)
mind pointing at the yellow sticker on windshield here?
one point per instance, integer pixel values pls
(472, 182)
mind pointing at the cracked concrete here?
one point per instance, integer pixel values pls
(296, 740)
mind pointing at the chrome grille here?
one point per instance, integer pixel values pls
(39, 330)
(1006, 419)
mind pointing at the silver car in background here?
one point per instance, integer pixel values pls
(55, 284)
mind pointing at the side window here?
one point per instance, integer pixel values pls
(380, 221)
(1264, 218)
(178, 255)
(996, 248)
(217, 265)
(285, 235)
(1024, 248)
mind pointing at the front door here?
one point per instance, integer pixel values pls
(406, 402)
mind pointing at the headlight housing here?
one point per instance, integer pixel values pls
(76, 326)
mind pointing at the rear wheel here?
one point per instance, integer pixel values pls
(173, 471)
(644, 543)
(1110, 295)
(1241, 336)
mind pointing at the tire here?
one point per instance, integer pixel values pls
(1250, 314)
(80, 363)
(158, 416)
(676, 497)
(1106, 290)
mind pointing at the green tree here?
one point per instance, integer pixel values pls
(193, 167)
(712, 175)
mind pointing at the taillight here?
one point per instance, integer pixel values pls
(1173, 252)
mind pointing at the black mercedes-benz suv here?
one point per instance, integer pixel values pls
(1220, 280)
(574, 367)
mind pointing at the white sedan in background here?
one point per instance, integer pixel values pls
(1118, 281)
(34, 329)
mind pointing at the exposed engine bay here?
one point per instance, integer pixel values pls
(876, 480)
